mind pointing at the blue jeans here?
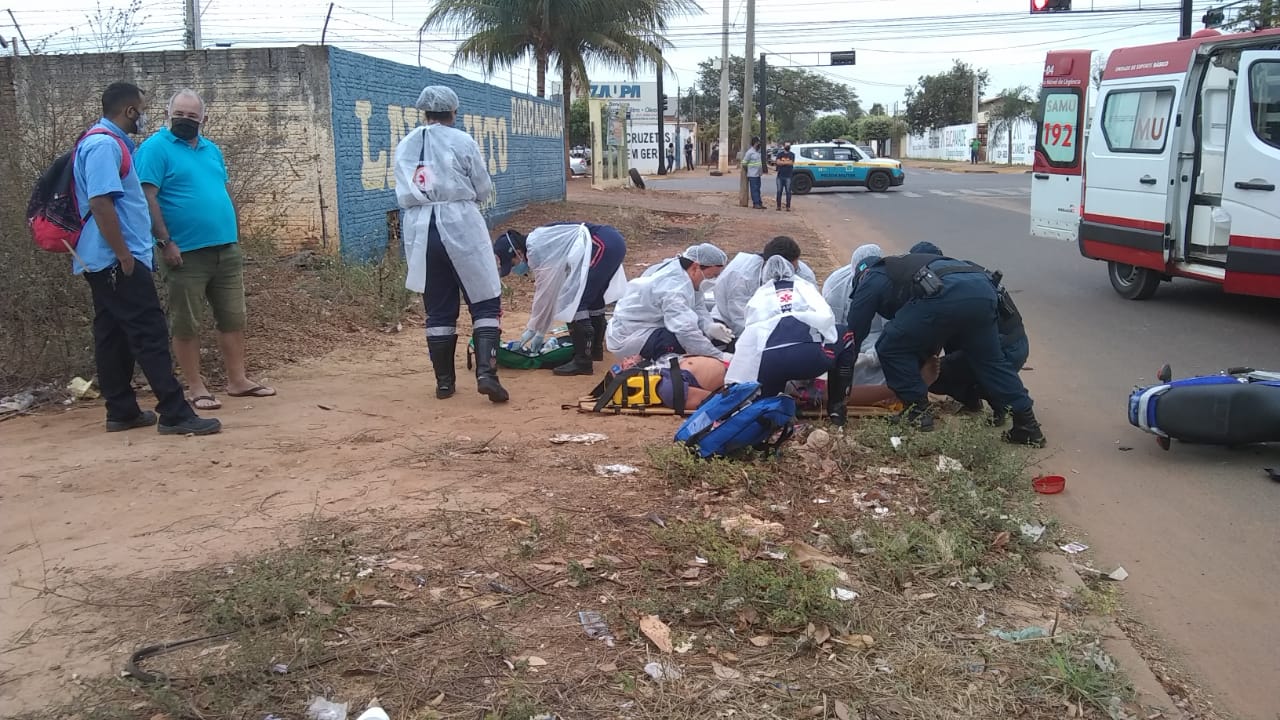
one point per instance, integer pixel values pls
(963, 316)
(783, 183)
(754, 184)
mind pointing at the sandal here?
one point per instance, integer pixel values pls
(255, 391)
(210, 402)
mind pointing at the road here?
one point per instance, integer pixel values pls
(1196, 527)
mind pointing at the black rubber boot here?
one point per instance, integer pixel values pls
(486, 340)
(582, 335)
(1025, 430)
(918, 415)
(838, 382)
(598, 325)
(441, 350)
(999, 416)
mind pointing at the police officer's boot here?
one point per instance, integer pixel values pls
(582, 334)
(1025, 430)
(838, 382)
(441, 350)
(486, 340)
(598, 326)
(999, 415)
(918, 415)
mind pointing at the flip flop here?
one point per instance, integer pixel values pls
(255, 391)
(211, 402)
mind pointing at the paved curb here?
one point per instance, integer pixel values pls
(967, 171)
(1149, 692)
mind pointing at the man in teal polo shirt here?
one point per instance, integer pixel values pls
(185, 180)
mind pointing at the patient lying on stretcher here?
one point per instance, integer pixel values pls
(703, 376)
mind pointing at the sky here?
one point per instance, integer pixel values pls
(896, 41)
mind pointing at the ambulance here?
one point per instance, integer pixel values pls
(1176, 173)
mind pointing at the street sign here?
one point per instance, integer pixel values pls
(844, 58)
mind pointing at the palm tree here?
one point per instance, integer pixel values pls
(1011, 107)
(625, 35)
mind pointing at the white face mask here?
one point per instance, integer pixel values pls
(143, 121)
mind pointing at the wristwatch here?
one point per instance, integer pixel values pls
(161, 243)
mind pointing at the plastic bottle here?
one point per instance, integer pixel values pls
(374, 713)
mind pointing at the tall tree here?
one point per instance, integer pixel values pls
(1011, 108)
(878, 109)
(1096, 67)
(830, 127)
(793, 97)
(937, 101)
(879, 128)
(560, 34)
(1254, 15)
(114, 29)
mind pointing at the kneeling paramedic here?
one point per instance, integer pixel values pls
(577, 270)
(663, 312)
(792, 335)
(957, 378)
(743, 276)
(933, 302)
(440, 178)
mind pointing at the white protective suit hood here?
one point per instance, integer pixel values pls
(766, 309)
(559, 257)
(739, 282)
(440, 172)
(663, 296)
(836, 290)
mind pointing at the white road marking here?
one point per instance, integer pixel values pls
(880, 196)
(911, 195)
(941, 192)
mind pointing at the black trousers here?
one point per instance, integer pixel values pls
(129, 327)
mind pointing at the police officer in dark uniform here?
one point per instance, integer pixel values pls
(956, 377)
(932, 302)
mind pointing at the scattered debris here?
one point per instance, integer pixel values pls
(761, 640)
(818, 439)
(1027, 633)
(657, 632)
(82, 389)
(582, 438)
(857, 642)
(896, 442)
(1124, 448)
(752, 526)
(656, 519)
(322, 709)
(725, 673)
(1118, 574)
(1073, 547)
(374, 712)
(616, 470)
(948, 464)
(1049, 484)
(17, 403)
(1032, 531)
(843, 594)
(662, 671)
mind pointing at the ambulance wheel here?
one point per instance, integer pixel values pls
(801, 184)
(1133, 283)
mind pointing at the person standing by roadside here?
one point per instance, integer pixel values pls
(688, 153)
(785, 163)
(440, 181)
(116, 256)
(753, 163)
(975, 146)
(671, 156)
(714, 159)
(184, 177)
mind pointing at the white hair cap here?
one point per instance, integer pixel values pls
(777, 268)
(865, 251)
(437, 98)
(705, 254)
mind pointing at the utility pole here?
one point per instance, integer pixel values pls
(724, 94)
(662, 126)
(976, 100)
(747, 82)
(192, 23)
(1184, 26)
(764, 102)
(21, 35)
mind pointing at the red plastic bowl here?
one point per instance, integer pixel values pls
(1049, 484)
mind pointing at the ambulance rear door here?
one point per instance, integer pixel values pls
(1058, 168)
(1249, 195)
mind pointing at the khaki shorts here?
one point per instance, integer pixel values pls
(213, 275)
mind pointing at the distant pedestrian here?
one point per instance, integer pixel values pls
(671, 156)
(785, 162)
(715, 154)
(753, 163)
(975, 145)
(194, 222)
(116, 255)
(688, 153)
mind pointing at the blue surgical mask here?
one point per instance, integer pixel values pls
(520, 268)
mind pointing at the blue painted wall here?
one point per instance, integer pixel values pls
(520, 136)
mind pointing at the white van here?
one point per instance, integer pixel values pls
(1178, 177)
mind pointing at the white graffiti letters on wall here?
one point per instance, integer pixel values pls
(490, 134)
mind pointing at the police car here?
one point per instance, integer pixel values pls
(841, 164)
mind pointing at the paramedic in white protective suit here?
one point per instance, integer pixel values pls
(440, 178)
(836, 291)
(577, 271)
(662, 311)
(742, 277)
(792, 335)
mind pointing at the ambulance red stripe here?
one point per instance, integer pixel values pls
(1255, 243)
(1124, 222)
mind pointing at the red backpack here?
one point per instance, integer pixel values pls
(52, 212)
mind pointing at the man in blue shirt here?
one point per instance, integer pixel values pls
(932, 302)
(185, 180)
(115, 255)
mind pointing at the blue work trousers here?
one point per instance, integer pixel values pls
(804, 361)
(607, 251)
(962, 316)
(441, 296)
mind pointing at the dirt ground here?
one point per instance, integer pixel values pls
(461, 542)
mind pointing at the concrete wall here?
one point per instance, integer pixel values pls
(948, 143)
(1024, 143)
(373, 109)
(267, 108)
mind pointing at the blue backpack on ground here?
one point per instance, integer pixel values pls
(736, 419)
